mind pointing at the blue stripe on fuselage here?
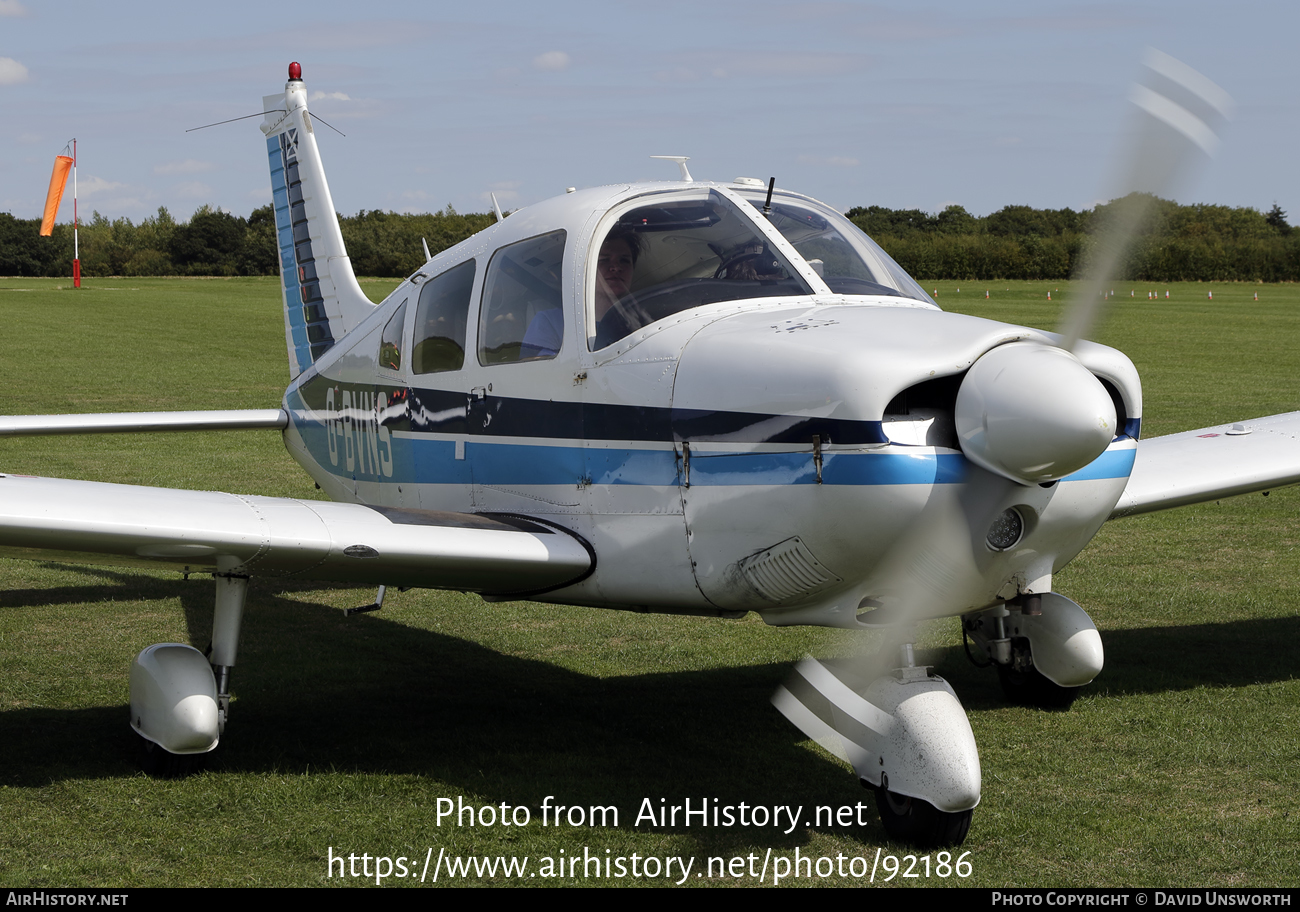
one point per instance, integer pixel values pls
(1114, 463)
(428, 458)
(433, 461)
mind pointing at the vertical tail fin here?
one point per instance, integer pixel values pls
(322, 300)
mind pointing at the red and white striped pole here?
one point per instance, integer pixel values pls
(76, 249)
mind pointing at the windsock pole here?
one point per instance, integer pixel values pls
(76, 249)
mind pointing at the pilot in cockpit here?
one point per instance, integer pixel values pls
(616, 310)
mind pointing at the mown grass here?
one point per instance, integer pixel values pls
(1178, 767)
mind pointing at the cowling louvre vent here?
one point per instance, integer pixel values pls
(786, 571)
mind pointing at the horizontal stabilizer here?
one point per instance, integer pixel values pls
(1210, 463)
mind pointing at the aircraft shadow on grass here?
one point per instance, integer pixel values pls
(318, 691)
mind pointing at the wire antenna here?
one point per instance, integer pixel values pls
(233, 119)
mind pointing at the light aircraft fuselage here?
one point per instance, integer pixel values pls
(748, 453)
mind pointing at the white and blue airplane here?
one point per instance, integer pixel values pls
(686, 397)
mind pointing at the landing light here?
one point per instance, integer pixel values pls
(1006, 530)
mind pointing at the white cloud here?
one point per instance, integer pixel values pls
(189, 166)
(29, 138)
(328, 96)
(12, 8)
(89, 186)
(11, 71)
(552, 60)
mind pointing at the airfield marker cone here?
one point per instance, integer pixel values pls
(1049, 296)
(1257, 296)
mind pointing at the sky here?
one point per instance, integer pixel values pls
(916, 105)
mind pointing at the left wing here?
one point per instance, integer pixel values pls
(1209, 463)
(207, 531)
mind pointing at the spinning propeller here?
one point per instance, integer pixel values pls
(1027, 413)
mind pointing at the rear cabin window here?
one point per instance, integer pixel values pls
(440, 321)
(390, 344)
(521, 318)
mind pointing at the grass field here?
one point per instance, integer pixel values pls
(1180, 765)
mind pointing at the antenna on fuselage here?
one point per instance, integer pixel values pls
(427, 255)
(496, 206)
(681, 163)
(767, 204)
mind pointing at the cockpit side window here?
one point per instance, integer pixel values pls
(390, 343)
(440, 321)
(661, 258)
(521, 317)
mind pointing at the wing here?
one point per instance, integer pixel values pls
(207, 531)
(142, 422)
(1209, 463)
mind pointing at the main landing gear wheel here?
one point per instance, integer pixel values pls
(158, 763)
(1025, 685)
(1030, 688)
(919, 823)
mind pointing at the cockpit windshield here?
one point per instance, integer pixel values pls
(848, 261)
(670, 253)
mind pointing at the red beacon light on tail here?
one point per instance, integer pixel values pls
(295, 71)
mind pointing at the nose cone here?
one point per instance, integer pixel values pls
(1033, 413)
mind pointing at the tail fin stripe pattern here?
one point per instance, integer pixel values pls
(305, 306)
(322, 300)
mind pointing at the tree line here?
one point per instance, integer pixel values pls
(217, 243)
(1176, 243)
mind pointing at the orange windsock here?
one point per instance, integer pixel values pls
(58, 180)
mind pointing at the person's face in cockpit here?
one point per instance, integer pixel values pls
(613, 273)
